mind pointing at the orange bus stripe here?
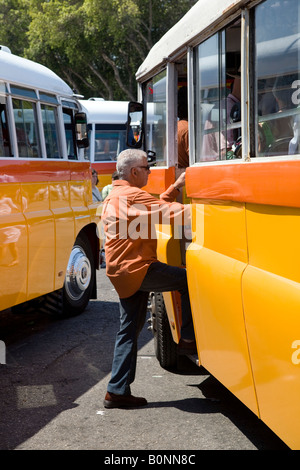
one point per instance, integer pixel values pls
(104, 168)
(27, 171)
(160, 179)
(272, 182)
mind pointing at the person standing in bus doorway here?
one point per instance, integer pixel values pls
(183, 128)
(133, 268)
(95, 191)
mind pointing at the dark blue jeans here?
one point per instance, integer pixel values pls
(159, 278)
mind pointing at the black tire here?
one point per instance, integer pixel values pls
(164, 346)
(50, 304)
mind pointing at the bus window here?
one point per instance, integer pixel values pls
(49, 118)
(277, 72)
(156, 104)
(207, 86)
(26, 128)
(70, 133)
(218, 96)
(5, 150)
(109, 142)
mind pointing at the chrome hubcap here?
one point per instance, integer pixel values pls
(78, 275)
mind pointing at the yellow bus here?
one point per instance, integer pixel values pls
(240, 62)
(49, 248)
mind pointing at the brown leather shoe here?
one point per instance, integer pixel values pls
(112, 400)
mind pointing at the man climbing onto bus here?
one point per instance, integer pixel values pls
(133, 268)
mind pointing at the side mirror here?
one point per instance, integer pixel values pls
(82, 139)
(135, 125)
(151, 157)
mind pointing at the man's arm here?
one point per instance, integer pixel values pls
(170, 194)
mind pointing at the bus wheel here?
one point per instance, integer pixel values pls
(164, 346)
(80, 277)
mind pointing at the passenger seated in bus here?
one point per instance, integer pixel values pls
(183, 129)
(276, 134)
(95, 191)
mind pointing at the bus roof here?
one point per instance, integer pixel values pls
(197, 20)
(20, 71)
(105, 112)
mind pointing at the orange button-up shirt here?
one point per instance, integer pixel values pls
(129, 215)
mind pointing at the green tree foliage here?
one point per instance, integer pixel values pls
(15, 21)
(96, 46)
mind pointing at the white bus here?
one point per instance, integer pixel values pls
(107, 126)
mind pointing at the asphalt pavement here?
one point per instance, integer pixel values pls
(55, 378)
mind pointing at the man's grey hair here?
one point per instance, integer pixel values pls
(128, 159)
